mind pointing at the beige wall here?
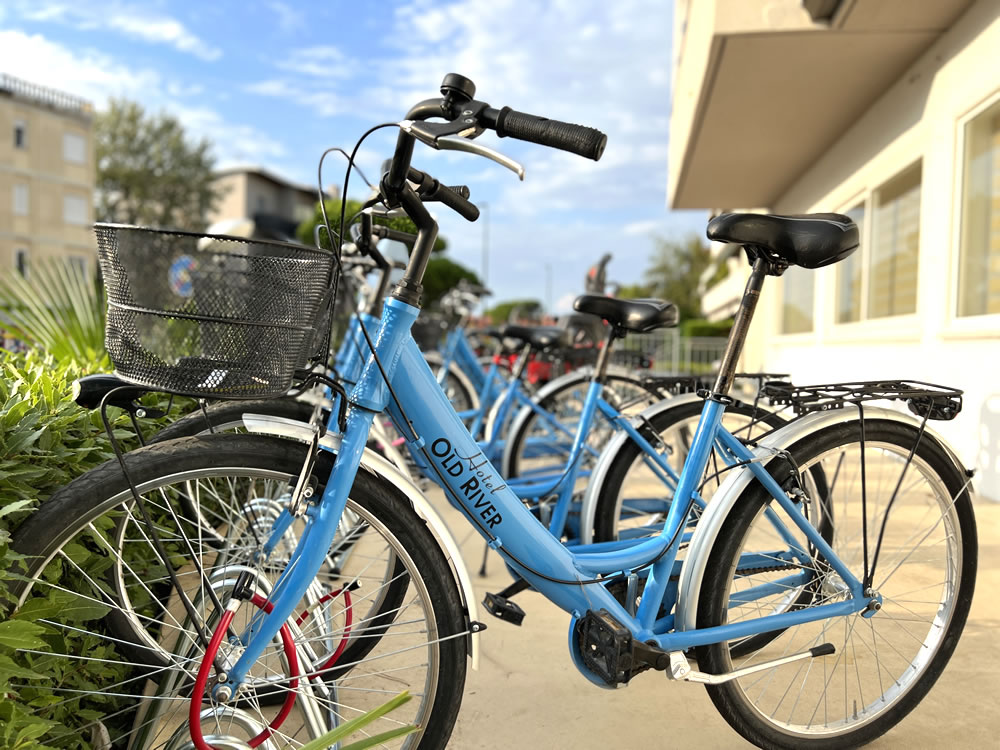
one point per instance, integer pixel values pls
(50, 178)
(921, 117)
(234, 199)
(249, 193)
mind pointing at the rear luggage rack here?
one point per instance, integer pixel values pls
(923, 399)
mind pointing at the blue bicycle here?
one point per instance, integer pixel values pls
(257, 630)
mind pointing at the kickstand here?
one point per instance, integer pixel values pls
(486, 555)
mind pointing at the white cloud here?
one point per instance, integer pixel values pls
(133, 21)
(96, 76)
(641, 227)
(90, 74)
(162, 30)
(289, 19)
(324, 61)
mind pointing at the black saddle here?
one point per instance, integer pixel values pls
(539, 337)
(807, 240)
(637, 315)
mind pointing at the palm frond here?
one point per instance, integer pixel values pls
(58, 309)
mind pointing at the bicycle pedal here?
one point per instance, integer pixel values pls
(501, 607)
(609, 651)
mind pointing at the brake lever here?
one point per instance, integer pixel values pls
(386, 213)
(457, 143)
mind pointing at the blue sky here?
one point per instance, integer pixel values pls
(274, 82)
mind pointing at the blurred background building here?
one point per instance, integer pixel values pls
(275, 205)
(46, 176)
(885, 110)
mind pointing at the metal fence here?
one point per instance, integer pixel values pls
(670, 352)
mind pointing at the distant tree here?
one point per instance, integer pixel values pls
(634, 291)
(442, 275)
(149, 172)
(500, 313)
(442, 272)
(307, 228)
(675, 273)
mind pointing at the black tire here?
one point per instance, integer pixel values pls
(96, 500)
(932, 514)
(628, 394)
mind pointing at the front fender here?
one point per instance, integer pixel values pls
(377, 465)
(722, 502)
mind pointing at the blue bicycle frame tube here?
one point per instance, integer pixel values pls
(566, 578)
(368, 398)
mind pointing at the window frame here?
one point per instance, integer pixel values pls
(22, 124)
(84, 221)
(870, 219)
(27, 199)
(83, 147)
(955, 325)
(23, 270)
(861, 198)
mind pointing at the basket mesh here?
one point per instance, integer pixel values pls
(207, 315)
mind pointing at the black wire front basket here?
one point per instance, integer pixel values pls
(210, 315)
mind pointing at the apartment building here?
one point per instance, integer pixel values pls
(46, 177)
(885, 110)
(275, 205)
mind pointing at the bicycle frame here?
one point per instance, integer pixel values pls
(570, 578)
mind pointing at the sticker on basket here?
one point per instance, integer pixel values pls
(180, 275)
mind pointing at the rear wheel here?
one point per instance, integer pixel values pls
(925, 574)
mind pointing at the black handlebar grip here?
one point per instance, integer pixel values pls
(457, 202)
(577, 139)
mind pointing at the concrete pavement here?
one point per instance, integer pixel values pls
(528, 694)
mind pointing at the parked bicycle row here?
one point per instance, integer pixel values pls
(274, 569)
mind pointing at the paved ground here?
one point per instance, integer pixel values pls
(527, 693)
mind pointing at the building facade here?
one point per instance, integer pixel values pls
(887, 111)
(46, 177)
(275, 205)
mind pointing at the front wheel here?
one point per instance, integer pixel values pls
(383, 614)
(925, 572)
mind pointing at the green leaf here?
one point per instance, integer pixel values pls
(349, 727)
(62, 604)
(9, 668)
(15, 506)
(379, 739)
(21, 634)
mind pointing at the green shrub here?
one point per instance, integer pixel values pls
(46, 441)
(702, 327)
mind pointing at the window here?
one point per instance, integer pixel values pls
(979, 254)
(849, 274)
(797, 300)
(892, 260)
(21, 261)
(20, 200)
(74, 209)
(74, 148)
(20, 134)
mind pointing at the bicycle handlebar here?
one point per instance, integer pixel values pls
(577, 139)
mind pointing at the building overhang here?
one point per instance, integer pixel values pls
(761, 90)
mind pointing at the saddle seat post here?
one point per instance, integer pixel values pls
(741, 325)
(604, 356)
